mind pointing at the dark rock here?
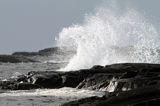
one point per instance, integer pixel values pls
(55, 79)
(134, 97)
(25, 54)
(97, 67)
(25, 86)
(132, 84)
(7, 84)
(21, 78)
(17, 84)
(48, 81)
(48, 51)
(148, 96)
(122, 76)
(127, 76)
(90, 101)
(39, 56)
(96, 82)
(44, 52)
(71, 80)
(14, 59)
(130, 74)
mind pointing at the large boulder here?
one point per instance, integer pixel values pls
(52, 80)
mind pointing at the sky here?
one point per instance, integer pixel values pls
(31, 25)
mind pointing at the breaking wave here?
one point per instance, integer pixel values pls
(110, 36)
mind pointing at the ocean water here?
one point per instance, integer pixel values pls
(110, 35)
(8, 70)
(44, 97)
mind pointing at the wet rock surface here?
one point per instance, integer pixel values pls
(148, 96)
(44, 52)
(127, 84)
(133, 84)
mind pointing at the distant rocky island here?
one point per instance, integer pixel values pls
(18, 57)
(124, 84)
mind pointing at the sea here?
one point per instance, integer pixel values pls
(38, 97)
(112, 34)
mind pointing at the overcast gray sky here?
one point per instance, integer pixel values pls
(30, 25)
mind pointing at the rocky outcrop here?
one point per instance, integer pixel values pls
(46, 79)
(19, 57)
(25, 54)
(125, 84)
(43, 52)
(122, 77)
(147, 96)
(46, 54)
(14, 59)
(111, 78)
(48, 51)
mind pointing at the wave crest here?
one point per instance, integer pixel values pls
(107, 37)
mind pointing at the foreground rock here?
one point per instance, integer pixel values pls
(134, 84)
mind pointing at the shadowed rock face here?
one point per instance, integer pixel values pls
(123, 77)
(128, 84)
(134, 84)
(147, 96)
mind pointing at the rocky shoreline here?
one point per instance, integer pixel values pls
(133, 84)
(26, 57)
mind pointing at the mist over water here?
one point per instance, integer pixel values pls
(111, 36)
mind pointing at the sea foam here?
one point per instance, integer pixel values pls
(110, 36)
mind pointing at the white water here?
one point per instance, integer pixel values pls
(45, 97)
(110, 36)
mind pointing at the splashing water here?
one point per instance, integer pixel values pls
(107, 37)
